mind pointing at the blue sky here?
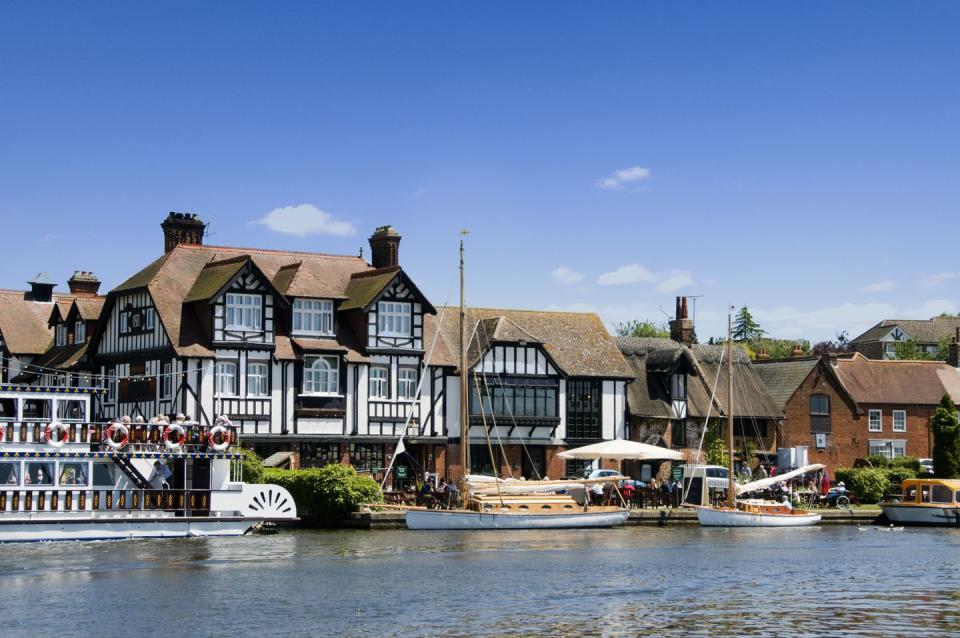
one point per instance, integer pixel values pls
(797, 158)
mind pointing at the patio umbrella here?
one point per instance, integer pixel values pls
(621, 449)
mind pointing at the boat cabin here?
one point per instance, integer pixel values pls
(931, 491)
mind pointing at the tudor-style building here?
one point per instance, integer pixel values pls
(878, 342)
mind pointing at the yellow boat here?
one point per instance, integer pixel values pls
(926, 502)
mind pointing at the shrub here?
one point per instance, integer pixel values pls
(908, 462)
(897, 475)
(326, 494)
(252, 466)
(946, 440)
(878, 460)
(868, 483)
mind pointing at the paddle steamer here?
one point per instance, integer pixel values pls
(63, 477)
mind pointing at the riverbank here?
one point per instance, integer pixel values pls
(655, 517)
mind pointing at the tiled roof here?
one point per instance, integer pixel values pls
(89, 308)
(577, 342)
(214, 276)
(871, 381)
(364, 287)
(928, 331)
(783, 377)
(24, 323)
(59, 358)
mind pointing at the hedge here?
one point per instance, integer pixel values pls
(869, 484)
(325, 495)
(252, 466)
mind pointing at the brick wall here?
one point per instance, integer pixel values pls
(849, 437)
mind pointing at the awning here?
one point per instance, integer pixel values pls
(621, 449)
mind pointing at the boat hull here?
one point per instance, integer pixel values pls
(715, 517)
(459, 519)
(87, 529)
(947, 516)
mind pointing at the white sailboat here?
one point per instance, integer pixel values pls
(751, 513)
(489, 503)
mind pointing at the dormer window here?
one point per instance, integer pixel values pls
(393, 319)
(313, 317)
(79, 332)
(62, 334)
(244, 312)
(678, 387)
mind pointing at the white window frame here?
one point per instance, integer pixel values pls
(313, 317)
(888, 350)
(223, 374)
(124, 322)
(902, 426)
(80, 331)
(879, 421)
(61, 331)
(258, 379)
(243, 312)
(314, 371)
(407, 385)
(379, 386)
(150, 320)
(166, 380)
(394, 319)
(890, 448)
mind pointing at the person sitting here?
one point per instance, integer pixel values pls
(786, 502)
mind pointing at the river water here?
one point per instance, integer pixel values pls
(678, 581)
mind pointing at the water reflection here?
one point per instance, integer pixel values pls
(623, 582)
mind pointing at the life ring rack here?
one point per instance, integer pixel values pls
(48, 434)
(117, 427)
(179, 432)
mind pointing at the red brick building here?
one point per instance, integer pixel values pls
(850, 407)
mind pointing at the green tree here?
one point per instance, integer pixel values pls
(745, 328)
(634, 328)
(946, 440)
(909, 350)
(717, 453)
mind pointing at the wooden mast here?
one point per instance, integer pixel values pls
(464, 425)
(731, 492)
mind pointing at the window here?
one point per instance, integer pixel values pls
(519, 397)
(819, 404)
(876, 423)
(366, 456)
(38, 473)
(577, 468)
(79, 332)
(244, 312)
(313, 316)
(124, 323)
(226, 377)
(820, 440)
(899, 420)
(104, 473)
(393, 319)
(379, 383)
(678, 387)
(321, 375)
(407, 383)
(888, 351)
(61, 334)
(150, 320)
(73, 474)
(37, 409)
(257, 380)
(887, 448)
(678, 434)
(166, 381)
(583, 409)
(9, 473)
(942, 494)
(319, 454)
(70, 410)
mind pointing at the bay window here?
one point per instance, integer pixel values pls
(244, 312)
(393, 318)
(313, 316)
(321, 375)
(379, 383)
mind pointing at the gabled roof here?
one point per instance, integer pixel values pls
(183, 274)
(880, 381)
(782, 378)
(24, 322)
(59, 358)
(922, 330)
(214, 277)
(578, 343)
(88, 308)
(365, 287)
(653, 360)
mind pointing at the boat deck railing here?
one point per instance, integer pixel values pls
(142, 436)
(20, 500)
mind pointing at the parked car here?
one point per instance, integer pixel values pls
(926, 466)
(603, 473)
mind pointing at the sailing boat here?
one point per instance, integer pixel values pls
(492, 503)
(751, 513)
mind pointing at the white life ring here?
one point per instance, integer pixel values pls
(180, 438)
(62, 437)
(117, 427)
(224, 436)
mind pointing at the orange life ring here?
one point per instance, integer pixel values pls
(48, 434)
(108, 435)
(225, 438)
(181, 436)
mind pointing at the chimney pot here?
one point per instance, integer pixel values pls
(385, 247)
(182, 228)
(83, 283)
(681, 328)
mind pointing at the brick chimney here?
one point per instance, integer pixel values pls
(954, 357)
(41, 288)
(763, 355)
(797, 351)
(681, 328)
(182, 228)
(83, 284)
(385, 247)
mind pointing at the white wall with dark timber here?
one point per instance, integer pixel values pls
(387, 416)
(504, 359)
(613, 410)
(400, 293)
(137, 307)
(246, 282)
(251, 412)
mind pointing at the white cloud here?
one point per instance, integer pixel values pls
(930, 309)
(566, 276)
(787, 322)
(935, 279)
(304, 220)
(675, 280)
(881, 286)
(631, 274)
(577, 307)
(617, 179)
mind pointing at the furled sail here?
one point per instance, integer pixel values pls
(763, 484)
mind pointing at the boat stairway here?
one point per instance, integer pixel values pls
(132, 473)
